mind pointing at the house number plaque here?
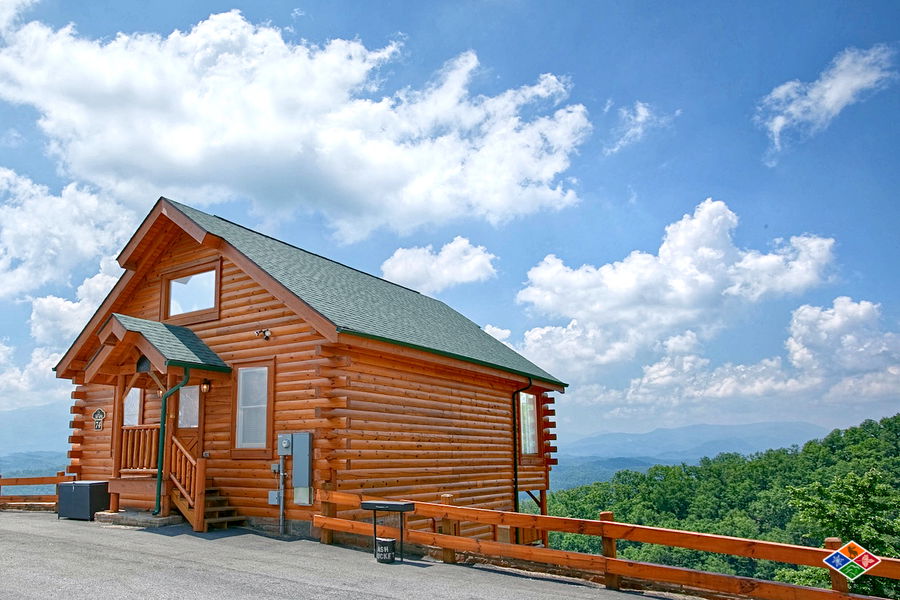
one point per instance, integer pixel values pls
(98, 417)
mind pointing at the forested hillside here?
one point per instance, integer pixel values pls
(846, 484)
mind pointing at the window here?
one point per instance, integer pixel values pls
(190, 293)
(252, 418)
(528, 432)
(189, 407)
(132, 413)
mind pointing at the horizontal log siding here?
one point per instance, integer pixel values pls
(95, 461)
(419, 430)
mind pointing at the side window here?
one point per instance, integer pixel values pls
(252, 418)
(528, 433)
(189, 406)
(132, 412)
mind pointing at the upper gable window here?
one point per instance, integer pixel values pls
(191, 293)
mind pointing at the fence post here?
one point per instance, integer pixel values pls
(839, 583)
(448, 527)
(326, 536)
(612, 582)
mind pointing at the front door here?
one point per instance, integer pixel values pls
(188, 419)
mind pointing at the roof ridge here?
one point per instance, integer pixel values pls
(288, 244)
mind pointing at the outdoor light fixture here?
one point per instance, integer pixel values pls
(265, 333)
(205, 386)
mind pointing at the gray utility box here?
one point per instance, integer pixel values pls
(81, 499)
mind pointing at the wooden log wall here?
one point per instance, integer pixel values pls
(417, 430)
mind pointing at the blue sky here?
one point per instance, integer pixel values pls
(542, 167)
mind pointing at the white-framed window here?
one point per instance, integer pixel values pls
(132, 413)
(528, 424)
(192, 293)
(189, 406)
(252, 425)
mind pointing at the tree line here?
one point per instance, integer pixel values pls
(845, 485)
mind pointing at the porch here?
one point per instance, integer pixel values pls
(160, 374)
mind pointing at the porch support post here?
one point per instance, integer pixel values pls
(162, 471)
(116, 438)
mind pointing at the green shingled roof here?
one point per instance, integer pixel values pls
(365, 305)
(179, 345)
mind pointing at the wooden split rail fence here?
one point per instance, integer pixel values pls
(12, 500)
(446, 518)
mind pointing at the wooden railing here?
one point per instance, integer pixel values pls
(189, 476)
(60, 477)
(607, 564)
(140, 444)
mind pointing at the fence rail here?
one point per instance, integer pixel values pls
(613, 568)
(140, 444)
(8, 499)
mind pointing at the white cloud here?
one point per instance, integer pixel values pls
(429, 272)
(44, 236)
(839, 357)
(635, 123)
(232, 109)
(56, 321)
(807, 108)
(693, 282)
(497, 332)
(32, 384)
(10, 10)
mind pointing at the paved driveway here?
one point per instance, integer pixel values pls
(41, 557)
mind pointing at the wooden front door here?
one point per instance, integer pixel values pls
(189, 419)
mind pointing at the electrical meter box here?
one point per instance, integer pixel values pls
(299, 447)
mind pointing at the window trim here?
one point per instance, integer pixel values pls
(184, 270)
(537, 428)
(268, 451)
(142, 399)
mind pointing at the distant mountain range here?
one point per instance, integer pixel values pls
(692, 442)
(598, 457)
(35, 428)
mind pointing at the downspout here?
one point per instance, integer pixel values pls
(515, 420)
(160, 455)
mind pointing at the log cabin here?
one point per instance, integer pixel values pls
(217, 341)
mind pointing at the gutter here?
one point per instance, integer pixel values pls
(160, 455)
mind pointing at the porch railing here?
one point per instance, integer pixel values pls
(140, 444)
(187, 473)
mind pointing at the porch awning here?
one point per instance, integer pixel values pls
(123, 338)
(179, 346)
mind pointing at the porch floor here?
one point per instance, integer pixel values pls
(137, 518)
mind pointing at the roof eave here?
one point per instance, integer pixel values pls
(553, 383)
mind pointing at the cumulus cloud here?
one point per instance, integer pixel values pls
(10, 10)
(837, 358)
(56, 321)
(231, 109)
(805, 108)
(44, 236)
(634, 123)
(697, 276)
(429, 272)
(32, 384)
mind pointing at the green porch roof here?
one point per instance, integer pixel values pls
(367, 306)
(179, 345)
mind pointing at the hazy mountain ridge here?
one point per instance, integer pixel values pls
(35, 429)
(693, 442)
